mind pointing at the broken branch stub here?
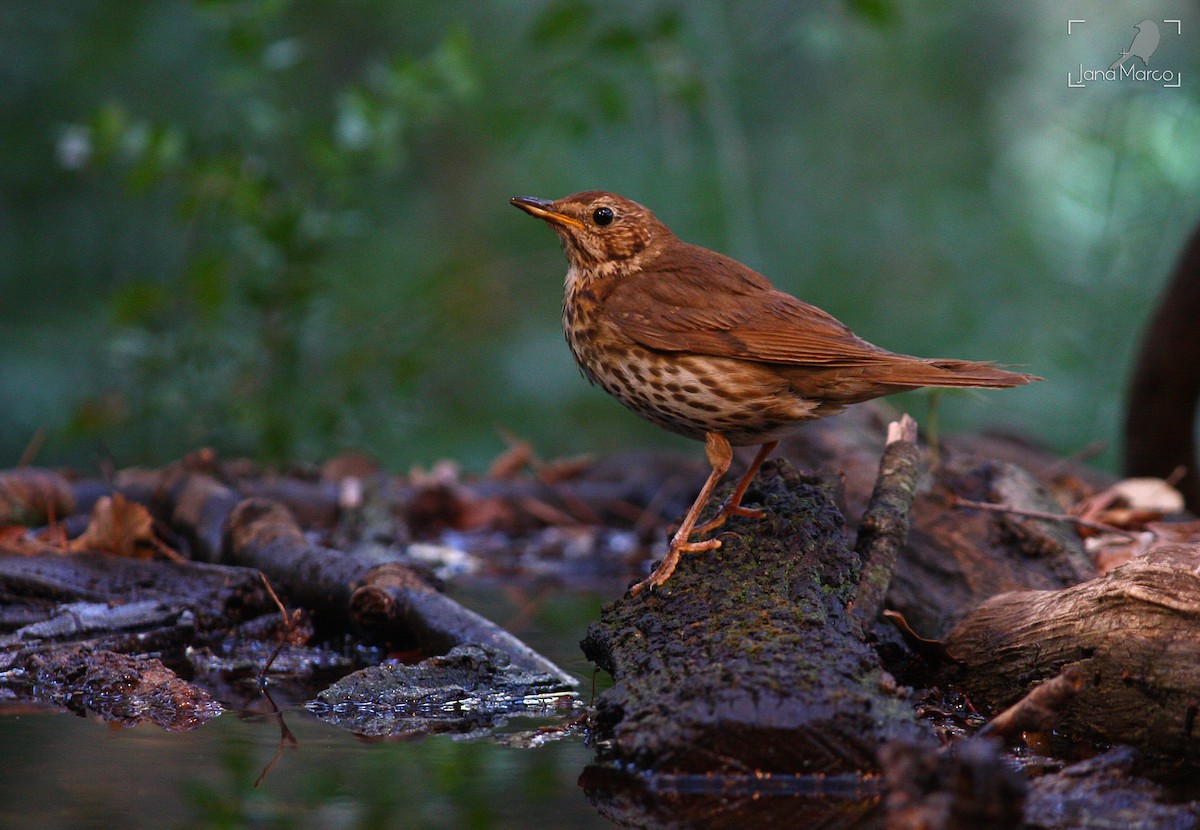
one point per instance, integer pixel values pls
(884, 526)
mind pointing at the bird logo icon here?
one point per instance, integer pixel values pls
(1143, 45)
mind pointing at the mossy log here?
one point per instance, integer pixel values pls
(747, 659)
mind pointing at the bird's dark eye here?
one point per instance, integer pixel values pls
(603, 216)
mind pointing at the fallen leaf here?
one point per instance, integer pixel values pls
(1149, 494)
(122, 528)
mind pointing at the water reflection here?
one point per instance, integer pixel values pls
(64, 771)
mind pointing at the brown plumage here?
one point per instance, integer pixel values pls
(701, 345)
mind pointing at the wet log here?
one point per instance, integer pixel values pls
(469, 689)
(1132, 635)
(216, 595)
(81, 619)
(388, 600)
(747, 659)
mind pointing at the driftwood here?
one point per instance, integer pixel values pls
(58, 605)
(748, 659)
(88, 620)
(1133, 635)
(387, 599)
(469, 689)
(1040, 709)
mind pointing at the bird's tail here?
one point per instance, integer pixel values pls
(956, 373)
(1119, 61)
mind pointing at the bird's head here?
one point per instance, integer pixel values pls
(602, 234)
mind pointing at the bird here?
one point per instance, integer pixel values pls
(703, 346)
(1144, 44)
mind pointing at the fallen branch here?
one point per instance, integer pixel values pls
(747, 660)
(1040, 514)
(1038, 711)
(388, 600)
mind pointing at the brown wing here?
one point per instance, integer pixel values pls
(706, 303)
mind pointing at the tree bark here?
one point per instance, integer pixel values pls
(1133, 635)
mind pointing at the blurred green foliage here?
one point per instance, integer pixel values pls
(278, 227)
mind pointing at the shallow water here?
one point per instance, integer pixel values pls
(65, 771)
(59, 770)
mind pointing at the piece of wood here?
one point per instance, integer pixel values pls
(1133, 636)
(747, 658)
(957, 558)
(215, 594)
(388, 600)
(884, 526)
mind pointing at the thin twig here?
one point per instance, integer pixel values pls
(578, 511)
(289, 623)
(1081, 455)
(1040, 514)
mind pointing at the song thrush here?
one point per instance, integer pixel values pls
(703, 346)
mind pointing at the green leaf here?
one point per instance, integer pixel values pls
(138, 303)
(879, 13)
(561, 22)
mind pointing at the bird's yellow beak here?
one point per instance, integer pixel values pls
(541, 208)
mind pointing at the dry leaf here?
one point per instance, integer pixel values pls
(1149, 494)
(122, 528)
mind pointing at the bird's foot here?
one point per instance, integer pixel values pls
(727, 510)
(667, 567)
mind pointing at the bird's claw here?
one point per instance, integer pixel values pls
(725, 512)
(667, 567)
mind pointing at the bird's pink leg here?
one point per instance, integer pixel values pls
(733, 504)
(720, 455)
